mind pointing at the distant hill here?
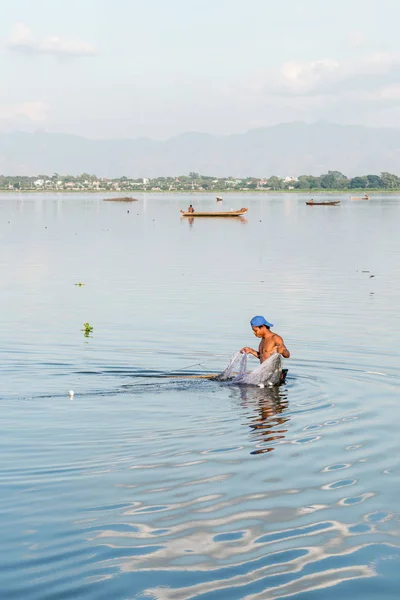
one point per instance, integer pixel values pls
(287, 149)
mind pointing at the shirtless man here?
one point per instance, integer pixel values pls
(270, 342)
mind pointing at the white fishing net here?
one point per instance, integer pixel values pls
(268, 373)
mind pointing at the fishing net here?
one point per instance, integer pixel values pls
(268, 373)
(228, 373)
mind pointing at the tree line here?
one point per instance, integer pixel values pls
(336, 180)
(332, 180)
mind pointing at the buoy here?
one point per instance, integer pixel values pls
(261, 385)
(71, 393)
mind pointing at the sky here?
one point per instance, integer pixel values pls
(158, 68)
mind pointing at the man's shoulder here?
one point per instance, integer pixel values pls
(277, 337)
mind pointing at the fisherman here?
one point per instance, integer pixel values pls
(270, 342)
(190, 209)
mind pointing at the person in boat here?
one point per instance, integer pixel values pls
(270, 342)
(311, 201)
(190, 209)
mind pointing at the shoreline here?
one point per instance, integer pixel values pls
(314, 192)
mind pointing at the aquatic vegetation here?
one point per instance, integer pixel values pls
(80, 284)
(87, 329)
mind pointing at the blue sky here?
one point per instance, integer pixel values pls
(157, 68)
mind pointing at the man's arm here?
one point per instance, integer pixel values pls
(250, 351)
(280, 347)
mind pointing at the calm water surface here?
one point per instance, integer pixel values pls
(143, 486)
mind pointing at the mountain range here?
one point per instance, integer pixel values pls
(288, 149)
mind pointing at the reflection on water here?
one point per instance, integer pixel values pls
(142, 486)
(191, 220)
(264, 408)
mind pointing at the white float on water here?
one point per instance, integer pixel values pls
(71, 393)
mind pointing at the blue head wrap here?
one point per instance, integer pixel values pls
(259, 322)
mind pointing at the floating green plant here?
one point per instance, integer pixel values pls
(80, 284)
(87, 329)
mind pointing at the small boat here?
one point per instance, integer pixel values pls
(332, 203)
(124, 199)
(232, 213)
(366, 197)
(212, 376)
(219, 198)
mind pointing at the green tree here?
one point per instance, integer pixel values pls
(275, 182)
(334, 180)
(358, 182)
(390, 181)
(374, 181)
(307, 182)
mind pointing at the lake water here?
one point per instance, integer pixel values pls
(142, 486)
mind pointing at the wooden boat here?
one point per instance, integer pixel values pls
(124, 199)
(212, 376)
(219, 198)
(332, 203)
(366, 197)
(232, 213)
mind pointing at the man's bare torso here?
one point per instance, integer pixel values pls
(268, 346)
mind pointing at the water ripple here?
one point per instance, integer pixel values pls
(148, 483)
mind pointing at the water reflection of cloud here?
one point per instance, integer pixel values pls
(256, 576)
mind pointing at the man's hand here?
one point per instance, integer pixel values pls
(247, 350)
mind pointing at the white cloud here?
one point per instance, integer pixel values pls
(380, 62)
(302, 77)
(35, 111)
(358, 89)
(23, 40)
(329, 77)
